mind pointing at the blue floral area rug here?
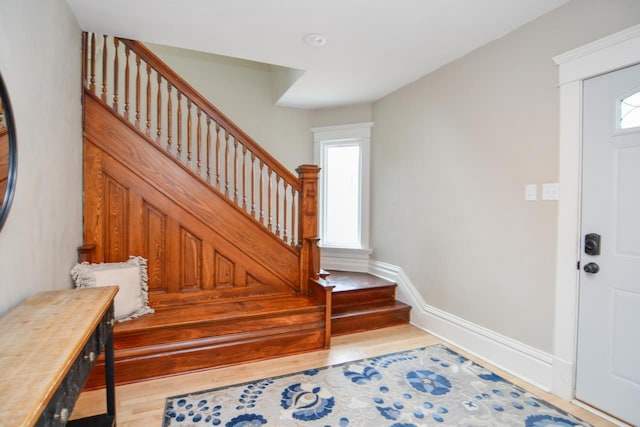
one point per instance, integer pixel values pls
(422, 387)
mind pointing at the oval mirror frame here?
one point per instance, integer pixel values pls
(12, 157)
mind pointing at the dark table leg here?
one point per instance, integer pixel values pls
(110, 378)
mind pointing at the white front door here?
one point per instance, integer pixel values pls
(608, 363)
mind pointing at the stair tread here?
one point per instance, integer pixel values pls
(219, 311)
(346, 281)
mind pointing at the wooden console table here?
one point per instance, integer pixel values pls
(48, 346)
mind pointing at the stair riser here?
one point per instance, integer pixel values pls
(369, 321)
(215, 340)
(352, 298)
(211, 328)
(162, 365)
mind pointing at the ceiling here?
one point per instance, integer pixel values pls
(373, 46)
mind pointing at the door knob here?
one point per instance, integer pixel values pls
(592, 268)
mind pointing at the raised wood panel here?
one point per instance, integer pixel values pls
(93, 201)
(116, 243)
(160, 212)
(155, 246)
(184, 188)
(224, 272)
(190, 261)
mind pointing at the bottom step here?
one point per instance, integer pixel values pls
(191, 338)
(364, 318)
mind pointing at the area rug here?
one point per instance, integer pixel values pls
(422, 387)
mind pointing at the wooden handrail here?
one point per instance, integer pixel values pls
(187, 90)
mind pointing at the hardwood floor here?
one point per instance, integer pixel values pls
(142, 404)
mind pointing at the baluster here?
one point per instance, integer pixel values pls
(189, 133)
(104, 69)
(126, 82)
(226, 163)
(269, 224)
(116, 73)
(159, 110)
(169, 123)
(148, 128)
(179, 149)
(284, 212)
(92, 85)
(85, 57)
(235, 170)
(208, 149)
(137, 92)
(199, 143)
(261, 187)
(253, 185)
(244, 177)
(293, 215)
(277, 205)
(217, 156)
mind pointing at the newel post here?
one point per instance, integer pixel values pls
(308, 225)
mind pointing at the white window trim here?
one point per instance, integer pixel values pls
(341, 258)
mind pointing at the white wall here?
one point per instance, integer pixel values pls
(359, 113)
(243, 91)
(451, 155)
(40, 63)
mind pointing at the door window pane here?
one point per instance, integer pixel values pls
(630, 111)
(342, 177)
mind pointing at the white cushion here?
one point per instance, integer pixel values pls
(132, 299)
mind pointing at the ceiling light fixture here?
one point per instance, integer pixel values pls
(315, 40)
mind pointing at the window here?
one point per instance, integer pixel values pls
(342, 152)
(341, 179)
(630, 111)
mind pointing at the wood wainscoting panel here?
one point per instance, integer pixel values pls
(154, 227)
(116, 195)
(156, 175)
(225, 275)
(190, 261)
(199, 248)
(184, 253)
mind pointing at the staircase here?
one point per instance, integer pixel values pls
(229, 233)
(362, 302)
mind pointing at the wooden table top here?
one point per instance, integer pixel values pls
(39, 341)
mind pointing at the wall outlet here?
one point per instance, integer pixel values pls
(551, 191)
(531, 192)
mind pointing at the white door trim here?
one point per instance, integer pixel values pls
(610, 53)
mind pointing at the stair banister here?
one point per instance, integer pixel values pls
(188, 91)
(254, 181)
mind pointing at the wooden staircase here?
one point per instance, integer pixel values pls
(362, 302)
(229, 233)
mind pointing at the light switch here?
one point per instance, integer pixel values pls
(531, 192)
(551, 191)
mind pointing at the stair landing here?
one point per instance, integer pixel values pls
(362, 302)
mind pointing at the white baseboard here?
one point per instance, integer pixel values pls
(514, 357)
